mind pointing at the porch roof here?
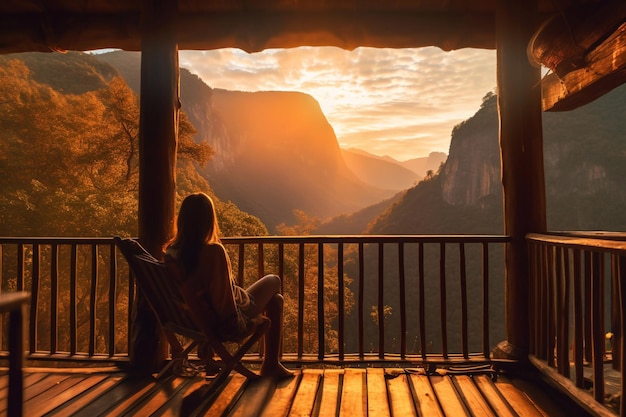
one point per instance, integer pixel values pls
(35, 25)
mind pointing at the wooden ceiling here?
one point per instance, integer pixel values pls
(254, 25)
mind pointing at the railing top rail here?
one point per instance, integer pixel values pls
(48, 240)
(371, 239)
(288, 239)
(580, 242)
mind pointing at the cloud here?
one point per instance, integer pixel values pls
(398, 102)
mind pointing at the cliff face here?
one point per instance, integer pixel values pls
(472, 170)
(282, 155)
(585, 166)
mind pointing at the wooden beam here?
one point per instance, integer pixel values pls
(521, 149)
(252, 30)
(604, 70)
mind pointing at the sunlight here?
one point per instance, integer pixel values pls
(398, 102)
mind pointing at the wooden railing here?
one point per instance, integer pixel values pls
(441, 297)
(577, 309)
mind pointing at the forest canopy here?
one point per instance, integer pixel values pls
(69, 161)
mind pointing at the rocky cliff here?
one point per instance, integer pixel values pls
(283, 155)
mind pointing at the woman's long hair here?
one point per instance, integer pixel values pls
(196, 225)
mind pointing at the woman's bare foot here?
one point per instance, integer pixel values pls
(277, 371)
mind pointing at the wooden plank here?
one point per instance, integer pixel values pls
(131, 396)
(79, 403)
(150, 403)
(353, 393)
(48, 399)
(472, 396)
(280, 401)
(174, 406)
(229, 394)
(427, 402)
(67, 395)
(304, 401)
(330, 392)
(254, 398)
(448, 397)
(377, 400)
(522, 405)
(400, 396)
(495, 400)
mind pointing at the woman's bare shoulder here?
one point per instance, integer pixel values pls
(213, 249)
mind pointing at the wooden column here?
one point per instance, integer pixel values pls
(158, 136)
(521, 147)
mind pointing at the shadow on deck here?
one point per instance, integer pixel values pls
(312, 392)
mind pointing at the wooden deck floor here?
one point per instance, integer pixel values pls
(313, 392)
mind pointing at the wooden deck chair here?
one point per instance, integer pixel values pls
(163, 294)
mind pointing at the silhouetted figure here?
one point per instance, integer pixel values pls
(206, 272)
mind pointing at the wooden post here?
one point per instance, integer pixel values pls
(521, 148)
(158, 136)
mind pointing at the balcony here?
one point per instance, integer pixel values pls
(442, 299)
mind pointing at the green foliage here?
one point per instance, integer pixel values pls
(69, 167)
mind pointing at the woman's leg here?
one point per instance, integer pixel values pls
(262, 291)
(267, 297)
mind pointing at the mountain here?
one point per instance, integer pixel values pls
(283, 155)
(379, 172)
(275, 152)
(585, 164)
(422, 165)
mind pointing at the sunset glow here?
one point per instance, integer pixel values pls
(397, 102)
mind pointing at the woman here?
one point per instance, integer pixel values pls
(206, 273)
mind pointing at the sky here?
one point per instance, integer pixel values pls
(401, 103)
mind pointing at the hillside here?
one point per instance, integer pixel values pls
(379, 172)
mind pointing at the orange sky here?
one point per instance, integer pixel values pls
(397, 102)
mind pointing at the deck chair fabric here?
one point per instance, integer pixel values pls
(162, 291)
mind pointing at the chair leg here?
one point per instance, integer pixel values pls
(183, 354)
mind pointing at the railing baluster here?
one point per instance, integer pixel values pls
(485, 284)
(34, 300)
(361, 301)
(241, 264)
(565, 323)
(381, 301)
(261, 260)
(20, 267)
(442, 300)
(578, 320)
(550, 319)
(301, 276)
(463, 279)
(588, 317)
(54, 296)
(72, 301)
(422, 299)
(92, 299)
(340, 302)
(112, 298)
(281, 266)
(597, 325)
(621, 287)
(615, 313)
(402, 300)
(320, 303)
